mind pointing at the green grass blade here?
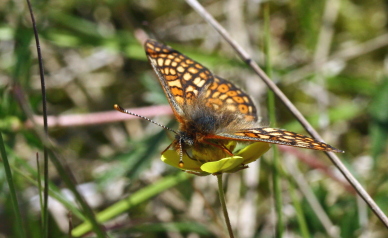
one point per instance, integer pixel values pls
(299, 212)
(272, 117)
(133, 200)
(70, 183)
(12, 190)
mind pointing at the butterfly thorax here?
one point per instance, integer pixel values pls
(198, 147)
(200, 125)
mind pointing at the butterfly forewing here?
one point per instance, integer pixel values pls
(181, 77)
(184, 79)
(278, 136)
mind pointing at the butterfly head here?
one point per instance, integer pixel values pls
(183, 136)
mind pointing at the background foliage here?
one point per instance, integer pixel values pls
(329, 57)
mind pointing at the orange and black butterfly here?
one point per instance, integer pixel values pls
(212, 111)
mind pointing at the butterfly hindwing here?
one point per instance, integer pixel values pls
(222, 94)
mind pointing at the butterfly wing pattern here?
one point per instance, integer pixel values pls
(188, 84)
(184, 79)
(224, 94)
(279, 136)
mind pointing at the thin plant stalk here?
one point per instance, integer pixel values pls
(64, 173)
(223, 205)
(54, 159)
(272, 118)
(32, 178)
(291, 107)
(44, 105)
(304, 230)
(12, 191)
(40, 189)
(296, 176)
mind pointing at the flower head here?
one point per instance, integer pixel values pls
(213, 161)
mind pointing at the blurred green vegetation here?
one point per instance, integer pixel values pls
(329, 57)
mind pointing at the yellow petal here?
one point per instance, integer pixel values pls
(171, 157)
(223, 165)
(253, 151)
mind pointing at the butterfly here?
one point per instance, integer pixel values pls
(212, 111)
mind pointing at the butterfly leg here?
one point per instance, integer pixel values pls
(222, 147)
(243, 166)
(168, 147)
(196, 173)
(181, 164)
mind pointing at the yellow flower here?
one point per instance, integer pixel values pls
(203, 163)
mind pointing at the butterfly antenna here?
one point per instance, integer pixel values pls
(120, 109)
(181, 164)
